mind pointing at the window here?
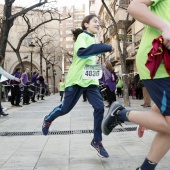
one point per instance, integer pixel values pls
(69, 39)
(69, 46)
(69, 25)
(68, 32)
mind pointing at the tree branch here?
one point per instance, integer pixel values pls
(26, 10)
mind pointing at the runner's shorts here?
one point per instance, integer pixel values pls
(159, 91)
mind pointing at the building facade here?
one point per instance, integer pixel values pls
(48, 33)
(108, 35)
(66, 39)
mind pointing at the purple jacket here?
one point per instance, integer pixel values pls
(24, 78)
(34, 78)
(109, 79)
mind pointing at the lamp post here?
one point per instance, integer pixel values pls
(54, 74)
(31, 49)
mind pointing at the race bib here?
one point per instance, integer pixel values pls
(92, 72)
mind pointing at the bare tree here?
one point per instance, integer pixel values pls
(53, 59)
(41, 43)
(106, 29)
(122, 53)
(32, 28)
(7, 22)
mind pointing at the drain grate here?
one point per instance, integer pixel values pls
(62, 132)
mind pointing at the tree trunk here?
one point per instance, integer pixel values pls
(53, 74)
(41, 56)
(6, 25)
(20, 61)
(125, 81)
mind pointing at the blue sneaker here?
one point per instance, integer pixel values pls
(45, 127)
(100, 149)
(111, 120)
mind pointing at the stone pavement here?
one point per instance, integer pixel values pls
(22, 147)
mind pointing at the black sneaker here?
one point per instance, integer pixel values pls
(100, 149)
(138, 168)
(111, 120)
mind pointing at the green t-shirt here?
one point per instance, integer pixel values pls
(74, 76)
(119, 84)
(61, 86)
(160, 8)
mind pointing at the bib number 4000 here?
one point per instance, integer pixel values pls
(92, 73)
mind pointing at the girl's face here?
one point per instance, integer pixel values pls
(93, 25)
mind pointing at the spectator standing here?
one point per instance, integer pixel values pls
(25, 83)
(138, 87)
(61, 87)
(42, 87)
(119, 87)
(34, 79)
(9, 76)
(15, 89)
(110, 81)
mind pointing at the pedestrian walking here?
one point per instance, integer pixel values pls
(119, 86)
(61, 87)
(153, 13)
(82, 77)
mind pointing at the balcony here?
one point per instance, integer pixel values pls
(121, 14)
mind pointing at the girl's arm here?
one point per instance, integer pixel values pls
(7, 75)
(94, 49)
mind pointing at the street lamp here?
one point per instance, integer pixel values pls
(54, 74)
(31, 49)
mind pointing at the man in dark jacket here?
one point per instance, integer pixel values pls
(15, 89)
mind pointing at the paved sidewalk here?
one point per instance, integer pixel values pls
(22, 147)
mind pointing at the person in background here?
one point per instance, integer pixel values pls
(42, 87)
(110, 78)
(8, 76)
(79, 79)
(15, 88)
(61, 87)
(119, 87)
(138, 87)
(25, 83)
(34, 79)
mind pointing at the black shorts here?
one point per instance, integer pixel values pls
(159, 91)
